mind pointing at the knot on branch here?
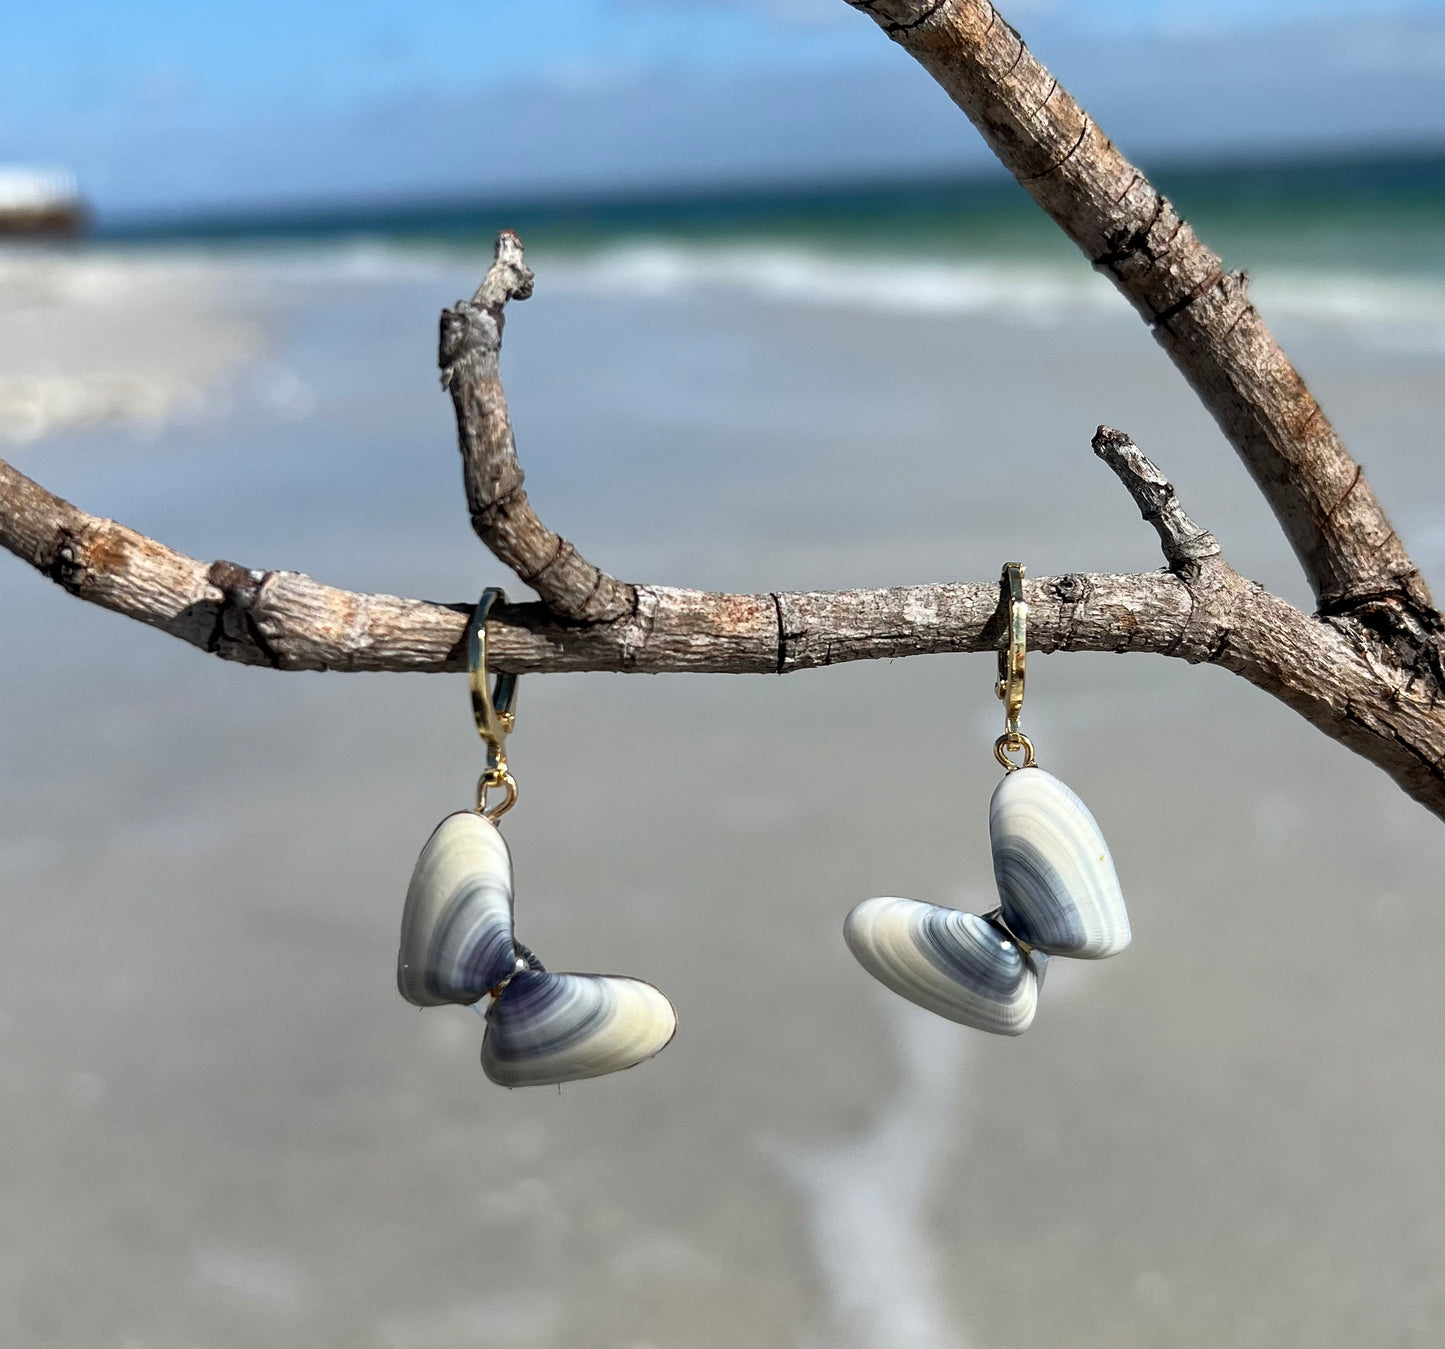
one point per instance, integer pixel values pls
(238, 632)
(67, 564)
(466, 332)
(1185, 544)
(1413, 637)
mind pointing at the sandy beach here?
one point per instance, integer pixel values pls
(222, 1127)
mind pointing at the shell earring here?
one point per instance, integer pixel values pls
(457, 943)
(1057, 889)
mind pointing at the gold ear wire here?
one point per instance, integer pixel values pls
(1011, 662)
(494, 706)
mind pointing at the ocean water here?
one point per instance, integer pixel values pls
(1353, 247)
(223, 1127)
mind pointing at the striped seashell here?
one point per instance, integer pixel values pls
(1059, 896)
(1055, 877)
(456, 928)
(549, 1028)
(956, 964)
(457, 945)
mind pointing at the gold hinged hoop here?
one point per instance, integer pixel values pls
(1012, 659)
(494, 706)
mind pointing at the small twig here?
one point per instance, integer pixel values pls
(471, 342)
(1185, 544)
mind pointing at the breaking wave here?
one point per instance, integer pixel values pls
(1408, 309)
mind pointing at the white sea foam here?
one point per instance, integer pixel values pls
(32, 406)
(1408, 310)
(867, 1197)
(837, 280)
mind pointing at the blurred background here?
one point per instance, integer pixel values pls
(232, 230)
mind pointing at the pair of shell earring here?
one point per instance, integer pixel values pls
(1058, 891)
(458, 943)
(1058, 896)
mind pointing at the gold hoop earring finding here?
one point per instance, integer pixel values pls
(1011, 662)
(494, 706)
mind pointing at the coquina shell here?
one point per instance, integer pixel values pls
(956, 964)
(1055, 877)
(457, 945)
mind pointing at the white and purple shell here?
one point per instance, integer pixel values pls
(457, 946)
(1059, 896)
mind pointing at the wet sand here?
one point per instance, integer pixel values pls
(224, 1128)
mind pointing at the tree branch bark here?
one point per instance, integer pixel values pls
(1199, 312)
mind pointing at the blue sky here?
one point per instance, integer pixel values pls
(169, 106)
